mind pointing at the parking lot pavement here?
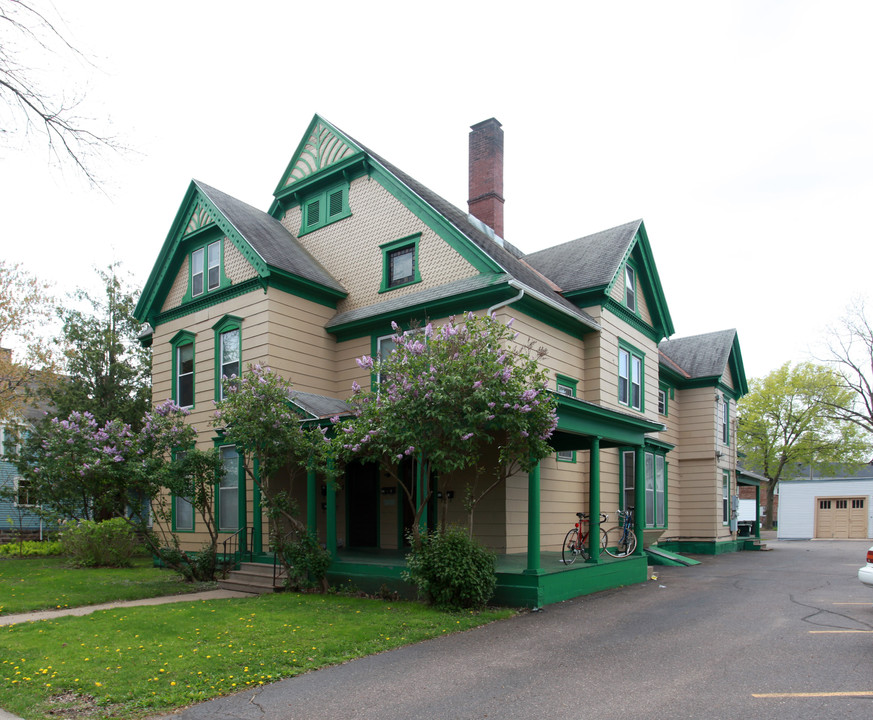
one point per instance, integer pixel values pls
(786, 634)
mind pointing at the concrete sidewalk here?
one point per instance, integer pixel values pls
(88, 609)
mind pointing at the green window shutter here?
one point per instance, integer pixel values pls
(335, 203)
(313, 210)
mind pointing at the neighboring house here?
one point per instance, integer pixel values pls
(839, 507)
(351, 243)
(17, 506)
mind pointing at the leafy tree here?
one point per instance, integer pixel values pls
(256, 416)
(448, 396)
(107, 372)
(851, 355)
(25, 307)
(31, 108)
(786, 418)
(85, 471)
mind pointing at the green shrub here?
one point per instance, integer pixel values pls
(452, 570)
(31, 548)
(194, 566)
(305, 561)
(111, 543)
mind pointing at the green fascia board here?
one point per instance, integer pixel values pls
(213, 298)
(738, 369)
(635, 321)
(453, 305)
(581, 418)
(293, 195)
(306, 289)
(281, 189)
(659, 445)
(650, 283)
(552, 317)
(588, 297)
(167, 264)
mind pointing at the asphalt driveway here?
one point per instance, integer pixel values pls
(786, 633)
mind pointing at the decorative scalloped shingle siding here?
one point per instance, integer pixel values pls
(236, 267)
(377, 218)
(180, 287)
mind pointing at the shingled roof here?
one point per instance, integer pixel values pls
(699, 356)
(508, 261)
(588, 262)
(277, 246)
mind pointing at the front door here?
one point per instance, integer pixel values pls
(362, 504)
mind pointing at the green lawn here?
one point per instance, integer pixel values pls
(131, 662)
(49, 583)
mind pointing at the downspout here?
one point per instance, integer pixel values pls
(542, 298)
(495, 308)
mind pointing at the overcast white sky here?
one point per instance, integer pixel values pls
(739, 131)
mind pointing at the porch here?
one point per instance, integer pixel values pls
(370, 570)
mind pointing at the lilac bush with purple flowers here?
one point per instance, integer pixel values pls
(447, 394)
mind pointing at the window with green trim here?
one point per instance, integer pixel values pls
(566, 385)
(655, 511)
(725, 497)
(227, 502)
(324, 207)
(630, 376)
(183, 369)
(630, 288)
(206, 269)
(228, 351)
(662, 401)
(400, 263)
(725, 416)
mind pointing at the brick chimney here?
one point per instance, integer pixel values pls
(486, 174)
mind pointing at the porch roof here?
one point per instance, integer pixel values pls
(580, 421)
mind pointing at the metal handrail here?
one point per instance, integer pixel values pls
(231, 546)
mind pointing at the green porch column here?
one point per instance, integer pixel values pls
(330, 524)
(533, 520)
(639, 498)
(594, 501)
(312, 502)
(420, 476)
(758, 512)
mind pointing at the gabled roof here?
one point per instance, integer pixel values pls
(591, 262)
(274, 252)
(586, 269)
(327, 151)
(703, 359)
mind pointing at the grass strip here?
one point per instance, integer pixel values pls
(132, 662)
(50, 583)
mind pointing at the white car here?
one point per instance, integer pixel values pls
(865, 574)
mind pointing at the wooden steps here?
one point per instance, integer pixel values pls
(254, 578)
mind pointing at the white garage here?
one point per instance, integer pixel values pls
(825, 508)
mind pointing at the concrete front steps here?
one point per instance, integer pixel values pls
(254, 578)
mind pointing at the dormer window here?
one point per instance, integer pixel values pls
(206, 269)
(630, 288)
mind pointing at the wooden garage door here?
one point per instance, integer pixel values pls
(841, 517)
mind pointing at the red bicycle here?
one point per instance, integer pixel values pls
(576, 542)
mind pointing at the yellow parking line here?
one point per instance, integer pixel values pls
(823, 632)
(859, 693)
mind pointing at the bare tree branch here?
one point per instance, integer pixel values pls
(30, 105)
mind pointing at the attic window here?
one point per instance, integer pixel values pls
(324, 207)
(630, 288)
(206, 269)
(400, 263)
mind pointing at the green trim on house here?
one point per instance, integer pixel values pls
(202, 241)
(183, 337)
(702, 547)
(225, 324)
(566, 381)
(324, 207)
(579, 421)
(633, 352)
(635, 321)
(389, 248)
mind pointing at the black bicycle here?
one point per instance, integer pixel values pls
(621, 540)
(576, 542)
